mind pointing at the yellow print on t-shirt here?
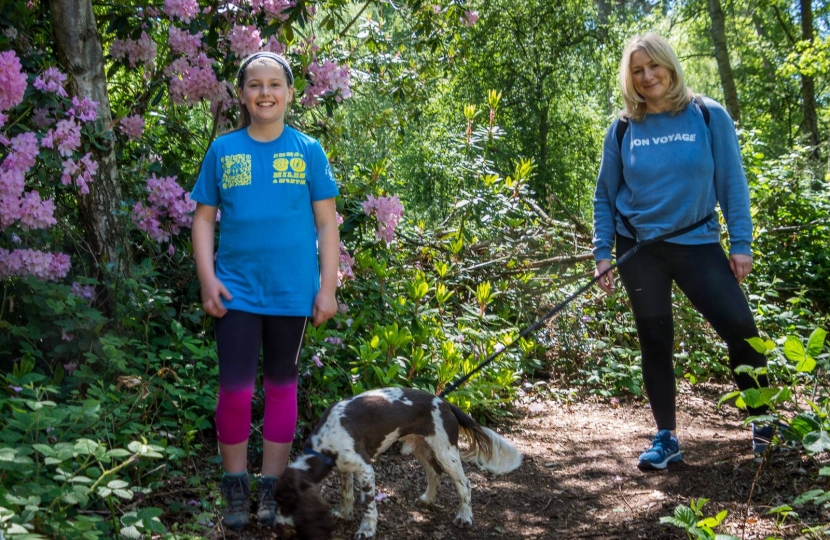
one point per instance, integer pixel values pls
(236, 170)
(289, 168)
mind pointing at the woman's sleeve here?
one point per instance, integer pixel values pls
(731, 185)
(605, 196)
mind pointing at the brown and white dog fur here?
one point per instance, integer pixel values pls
(354, 431)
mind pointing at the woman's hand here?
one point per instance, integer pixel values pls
(606, 282)
(741, 265)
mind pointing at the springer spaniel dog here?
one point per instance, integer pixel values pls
(353, 431)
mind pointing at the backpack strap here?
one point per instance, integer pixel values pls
(622, 123)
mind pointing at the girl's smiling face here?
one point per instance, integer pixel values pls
(651, 80)
(265, 91)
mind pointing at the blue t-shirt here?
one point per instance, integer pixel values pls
(267, 256)
(670, 172)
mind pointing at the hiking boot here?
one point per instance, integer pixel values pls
(237, 493)
(267, 512)
(762, 436)
(664, 450)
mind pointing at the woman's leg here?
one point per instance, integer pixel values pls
(238, 338)
(704, 276)
(648, 282)
(282, 343)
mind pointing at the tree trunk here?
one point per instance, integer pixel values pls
(604, 11)
(809, 122)
(78, 47)
(730, 93)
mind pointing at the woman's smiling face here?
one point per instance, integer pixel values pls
(651, 80)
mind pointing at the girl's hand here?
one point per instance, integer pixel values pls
(606, 282)
(325, 306)
(212, 293)
(741, 265)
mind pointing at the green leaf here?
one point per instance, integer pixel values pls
(816, 342)
(806, 366)
(131, 532)
(686, 516)
(794, 350)
(762, 346)
(123, 493)
(117, 484)
(118, 453)
(44, 449)
(807, 496)
(816, 442)
(85, 446)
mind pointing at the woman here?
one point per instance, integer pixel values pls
(666, 173)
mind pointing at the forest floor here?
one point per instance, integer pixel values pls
(579, 479)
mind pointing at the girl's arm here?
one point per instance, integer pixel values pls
(204, 222)
(328, 247)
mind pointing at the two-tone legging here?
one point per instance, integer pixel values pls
(702, 272)
(239, 336)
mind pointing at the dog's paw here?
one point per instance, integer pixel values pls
(463, 521)
(344, 514)
(426, 500)
(364, 532)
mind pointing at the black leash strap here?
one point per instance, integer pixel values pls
(561, 305)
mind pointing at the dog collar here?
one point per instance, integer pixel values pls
(312, 452)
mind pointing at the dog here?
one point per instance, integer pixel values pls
(354, 431)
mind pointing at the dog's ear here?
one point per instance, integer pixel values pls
(313, 519)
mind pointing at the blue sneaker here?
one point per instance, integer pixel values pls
(664, 450)
(762, 436)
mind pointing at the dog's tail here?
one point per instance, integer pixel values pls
(487, 449)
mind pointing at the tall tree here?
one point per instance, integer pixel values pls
(730, 93)
(78, 48)
(809, 121)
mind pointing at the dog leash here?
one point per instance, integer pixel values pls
(561, 305)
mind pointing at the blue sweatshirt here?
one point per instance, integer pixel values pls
(671, 172)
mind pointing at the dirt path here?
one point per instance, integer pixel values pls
(579, 479)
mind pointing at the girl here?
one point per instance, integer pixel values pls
(276, 267)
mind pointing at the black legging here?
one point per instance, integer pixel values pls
(703, 274)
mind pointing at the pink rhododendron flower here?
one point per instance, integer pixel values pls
(140, 51)
(41, 118)
(347, 262)
(51, 80)
(24, 151)
(193, 79)
(275, 9)
(185, 10)
(132, 126)
(66, 135)
(12, 80)
(81, 172)
(87, 292)
(28, 262)
(183, 42)
(83, 109)
(169, 209)
(388, 211)
(36, 213)
(470, 17)
(327, 79)
(244, 40)
(275, 46)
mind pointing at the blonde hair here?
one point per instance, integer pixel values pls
(659, 50)
(244, 119)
